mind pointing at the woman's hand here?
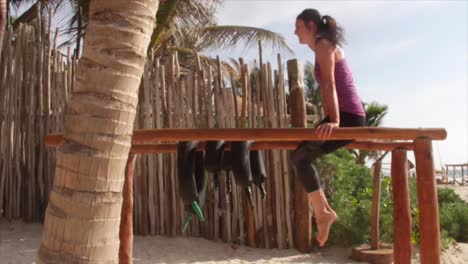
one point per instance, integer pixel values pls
(324, 130)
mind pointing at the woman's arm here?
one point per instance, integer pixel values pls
(325, 53)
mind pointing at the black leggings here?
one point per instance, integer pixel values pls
(308, 151)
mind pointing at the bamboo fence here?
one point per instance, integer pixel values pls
(36, 83)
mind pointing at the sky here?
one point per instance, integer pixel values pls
(409, 55)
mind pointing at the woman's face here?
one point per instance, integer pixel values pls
(305, 34)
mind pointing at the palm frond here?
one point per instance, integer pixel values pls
(164, 17)
(375, 113)
(228, 36)
(31, 13)
(187, 57)
(175, 15)
(196, 12)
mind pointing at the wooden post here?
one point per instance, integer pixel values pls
(462, 174)
(302, 215)
(375, 206)
(126, 218)
(248, 211)
(401, 208)
(427, 201)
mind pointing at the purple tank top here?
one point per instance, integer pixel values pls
(348, 98)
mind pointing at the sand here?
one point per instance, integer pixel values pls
(19, 243)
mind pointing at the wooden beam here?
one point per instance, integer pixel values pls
(283, 134)
(401, 208)
(427, 202)
(146, 136)
(364, 145)
(57, 139)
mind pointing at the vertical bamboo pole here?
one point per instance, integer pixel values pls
(234, 99)
(148, 101)
(427, 201)
(46, 121)
(7, 132)
(16, 105)
(154, 100)
(6, 60)
(284, 160)
(248, 212)
(148, 178)
(137, 180)
(275, 161)
(401, 207)
(261, 205)
(375, 205)
(271, 183)
(158, 123)
(32, 95)
(232, 123)
(40, 105)
(303, 235)
(170, 164)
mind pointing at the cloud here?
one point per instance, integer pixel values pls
(359, 13)
(393, 48)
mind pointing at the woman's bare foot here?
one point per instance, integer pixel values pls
(324, 223)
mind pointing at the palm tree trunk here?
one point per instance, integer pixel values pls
(2, 22)
(83, 215)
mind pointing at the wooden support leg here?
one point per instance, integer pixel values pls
(429, 227)
(375, 206)
(401, 208)
(126, 219)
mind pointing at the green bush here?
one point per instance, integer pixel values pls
(453, 215)
(446, 196)
(349, 189)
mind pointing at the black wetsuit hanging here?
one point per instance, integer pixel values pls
(192, 178)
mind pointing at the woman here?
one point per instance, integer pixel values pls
(341, 103)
